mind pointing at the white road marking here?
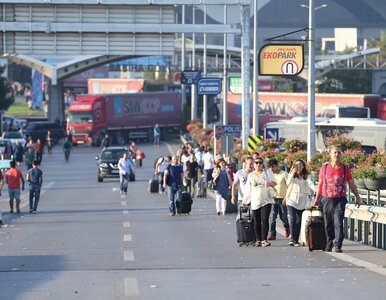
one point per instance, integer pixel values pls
(170, 149)
(126, 224)
(131, 287)
(127, 238)
(25, 198)
(123, 203)
(125, 212)
(352, 260)
(128, 256)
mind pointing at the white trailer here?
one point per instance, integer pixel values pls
(370, 132)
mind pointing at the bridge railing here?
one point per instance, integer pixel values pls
(367, 224)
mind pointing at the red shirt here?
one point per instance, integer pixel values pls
(39, 148)
(334, 187)
(13, 178)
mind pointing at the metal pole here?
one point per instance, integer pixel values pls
(311, 84)
(225, 139)
(255, 73)
(245, 73)
(205, 97)
(183, 92)
(194, 86)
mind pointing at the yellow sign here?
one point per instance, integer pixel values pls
(281, 59)
(253, 141)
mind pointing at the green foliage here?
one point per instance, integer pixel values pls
(294, 145)
(6, 94)
(343, 141)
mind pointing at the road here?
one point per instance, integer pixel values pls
(87, 242)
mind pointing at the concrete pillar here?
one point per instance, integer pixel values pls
(55, 103)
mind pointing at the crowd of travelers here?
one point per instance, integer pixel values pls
(263, 187)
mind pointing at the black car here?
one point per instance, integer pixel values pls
(38, 130)
(107, 162)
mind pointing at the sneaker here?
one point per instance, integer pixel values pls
(271, 237)
(172, 214)
(258, 244)
(287, 232)
(338, 250)
(1, 222)
(291, 243)
(30, 211)
(328, 249)
(296, 244)
(18, 211)
(265, 244)
(11, 211)
(219, 213)
(34, 212)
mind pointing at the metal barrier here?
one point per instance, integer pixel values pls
(367, 224)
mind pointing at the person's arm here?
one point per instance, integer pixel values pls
(247, 192)
(233, 190)
(354, 189)
(22, 181)
(166, 173)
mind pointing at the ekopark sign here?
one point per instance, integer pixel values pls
(281, 59)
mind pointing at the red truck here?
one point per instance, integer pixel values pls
(124, 116)
(276, 106)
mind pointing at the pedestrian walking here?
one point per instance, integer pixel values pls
(239, 181)
(18, 153)
(258, 195)
(50, 142)
(331, 195)
(106, 141)
(277, 207)
(35, 179)
(172, 181)
(125, 166)
(157, 135)
(191, 173)
(14, 177)
(161, 165)
(67, 147)
(39, 151)
(297, 197)
(223, 181)
(29, 157)
(208, 164)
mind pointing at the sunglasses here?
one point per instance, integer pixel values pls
(258, 162)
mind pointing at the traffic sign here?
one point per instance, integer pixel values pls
(236, 85)
(272, 134)
(228, 130)
(190, 77)
(253, 142)
(209, 86)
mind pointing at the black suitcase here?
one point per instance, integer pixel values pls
(230, 208)
(153, 184)
(315, 233)
(131, 176)
(245, 228)
(184, 205)
(201, 189)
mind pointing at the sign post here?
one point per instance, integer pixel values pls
(226, 131)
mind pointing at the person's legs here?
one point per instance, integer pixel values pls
(172, 205)
(37, 198)
(160, 182)
(272, 221)
(125, 183)
(265, 212)
(121, 182)
(338, 222)
(218, 203)
(328, 214)
(31, 198)
(17, 198)
(283, 214)
(292, 221)
(11, 194)
(297, 225)
(256, 215)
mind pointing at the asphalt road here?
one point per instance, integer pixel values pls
(87, 242)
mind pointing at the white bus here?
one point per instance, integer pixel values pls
(370, 132)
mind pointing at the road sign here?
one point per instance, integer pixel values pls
(281, 59)
(190, 77)
(236, 85)
(228, 130)
(272, 134)
(253, 141)
(209, 86)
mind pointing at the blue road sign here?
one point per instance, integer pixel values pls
(272, 134)
(190, 77)
(209, 86)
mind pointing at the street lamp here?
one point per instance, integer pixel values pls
(311, 129)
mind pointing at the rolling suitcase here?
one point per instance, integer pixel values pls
(184, 205)
(201, 189)
(245, 228)
(153, 184)
(230, 208)
(315, 233)
(315, 212)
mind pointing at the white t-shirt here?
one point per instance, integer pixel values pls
(208, 161)
(241, 177)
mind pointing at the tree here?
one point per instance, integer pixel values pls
(6, 93)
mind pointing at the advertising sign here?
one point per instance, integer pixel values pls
(236, 85)
(281, 59)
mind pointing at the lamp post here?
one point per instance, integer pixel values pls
(311, 129)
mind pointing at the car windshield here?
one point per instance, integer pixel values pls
(112, 154)
(80, 118)
(12, 135)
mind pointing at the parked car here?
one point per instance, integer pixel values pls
(6, 149)
(14, 136)
(107, 162)
(12, 123)
(38, 130)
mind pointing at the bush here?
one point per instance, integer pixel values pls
(343, 141)
(294, 145)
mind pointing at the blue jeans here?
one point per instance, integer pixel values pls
(278, 208)
(208, 174)
(124, 180)
(161, 182)
(295, 222)
(34, 192)
(333, 213)
(174, 195)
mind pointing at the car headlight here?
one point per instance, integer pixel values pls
(104, 165)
